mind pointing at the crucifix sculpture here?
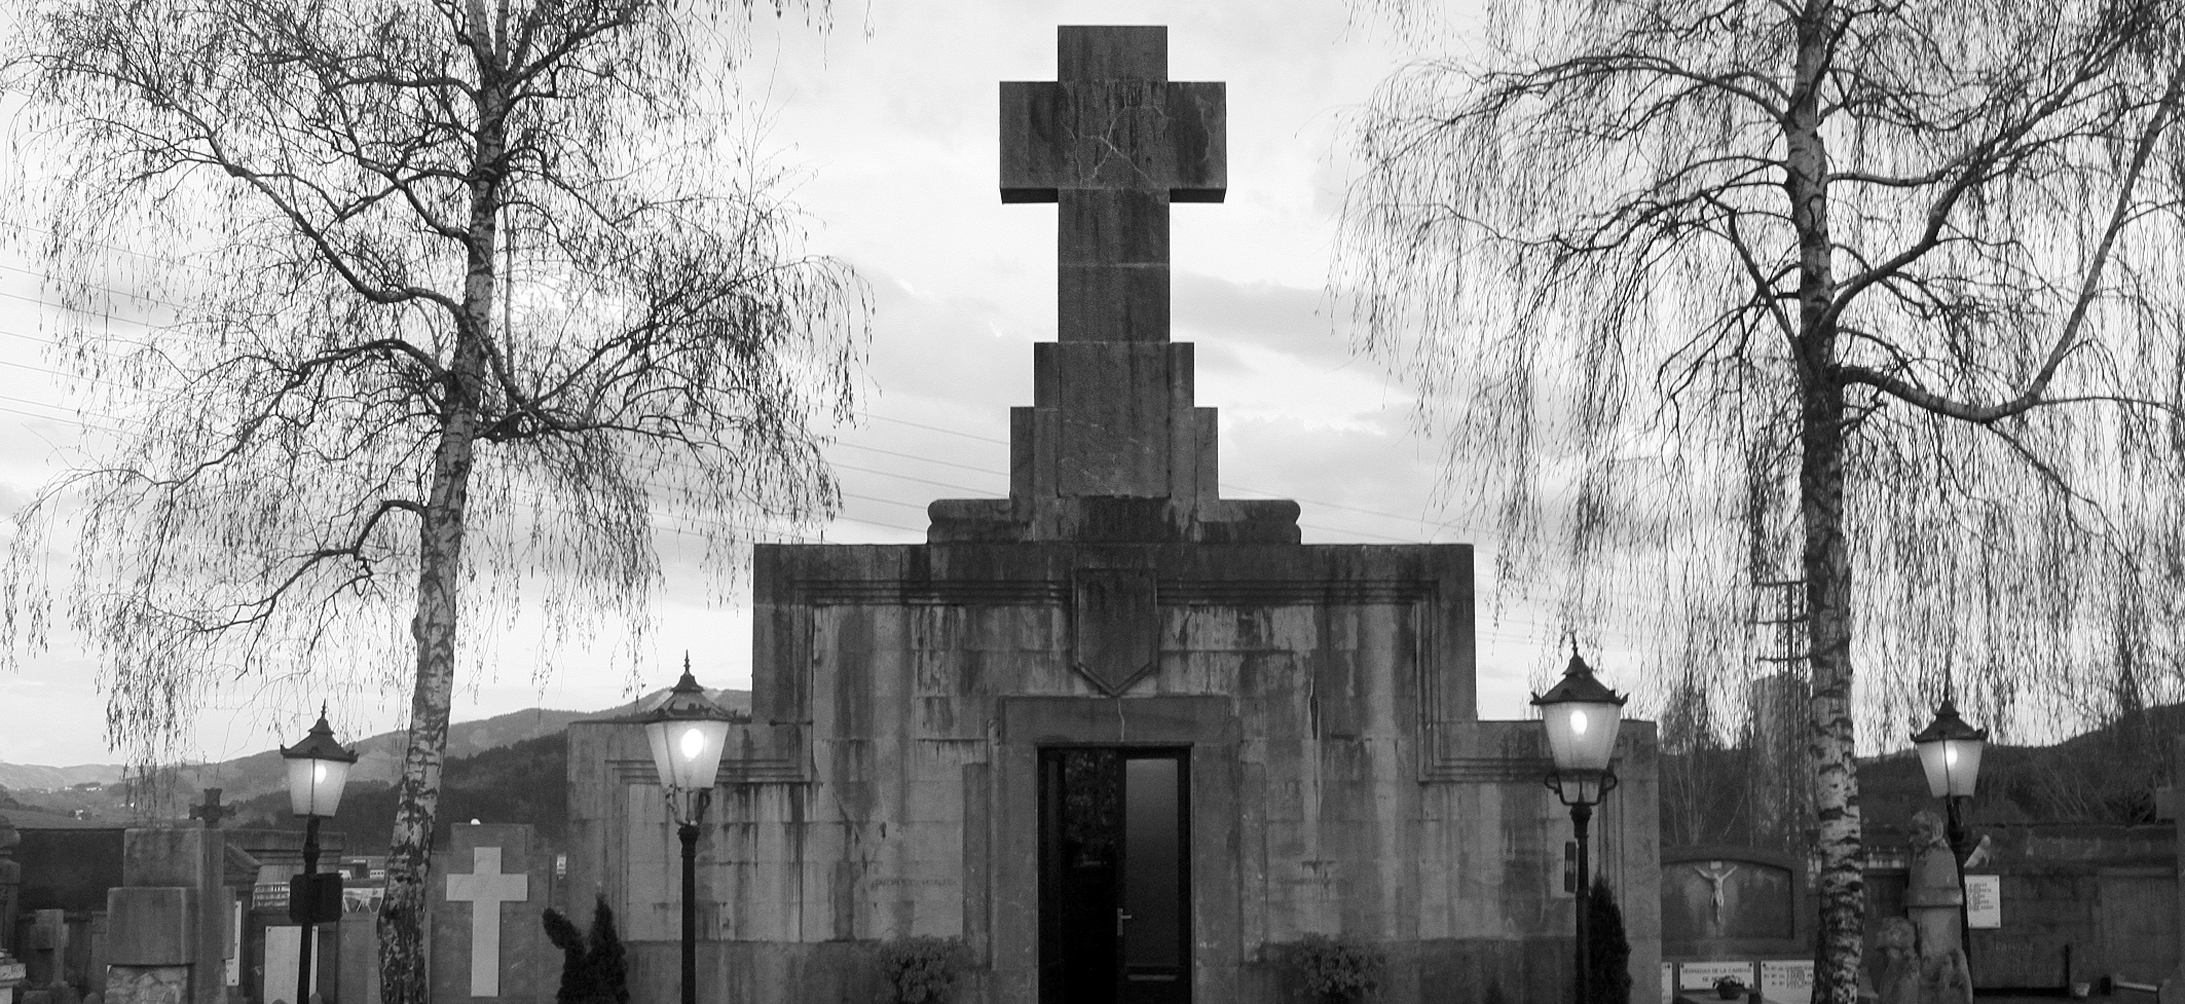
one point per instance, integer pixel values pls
(1714, 875)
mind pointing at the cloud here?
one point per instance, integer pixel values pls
(1225, 316)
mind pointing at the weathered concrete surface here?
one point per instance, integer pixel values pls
(151, 926)
(1340, 781)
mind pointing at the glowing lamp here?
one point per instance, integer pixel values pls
(318, 769)
(1582, 718)
(1950, 751)
(687, 731)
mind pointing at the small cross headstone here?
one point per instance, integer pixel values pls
(211, 811)
(485, 889)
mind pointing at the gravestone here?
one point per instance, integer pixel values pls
(48, 950)
(1120, 737)
(488, 944)
(167, 923)
(1729, 910)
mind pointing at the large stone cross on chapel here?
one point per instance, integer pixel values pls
(1113, 448)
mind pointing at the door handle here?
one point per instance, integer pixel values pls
(1120, 917)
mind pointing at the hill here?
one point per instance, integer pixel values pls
(258, 782)
(19, 777)
(522, 782)
(2106, 776)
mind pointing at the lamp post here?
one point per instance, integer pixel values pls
(686, 732)
(318, 768)
(1949, 751)
(1582, 717)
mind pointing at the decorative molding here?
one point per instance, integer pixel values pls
(771, 770)
(1056, 592)
(941, 592)
(1276, 592)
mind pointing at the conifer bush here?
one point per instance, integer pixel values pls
(1608, 949)
(594, 969)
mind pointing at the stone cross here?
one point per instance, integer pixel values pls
(212, 812)
(1113, 141)
(485, 889)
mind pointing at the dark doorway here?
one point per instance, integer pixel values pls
(1114, 876)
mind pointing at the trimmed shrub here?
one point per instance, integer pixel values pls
(921, 970)
(1337, 969)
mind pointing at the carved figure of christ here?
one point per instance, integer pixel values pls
(1714, 874)
(1113, 141)
(485, 889)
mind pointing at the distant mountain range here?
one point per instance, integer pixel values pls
(379, 758)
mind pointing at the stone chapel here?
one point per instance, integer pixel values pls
(1127, 740)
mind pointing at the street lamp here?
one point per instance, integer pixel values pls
(1582, 717)
(318, 768)
(686, 732)
(1950, 751)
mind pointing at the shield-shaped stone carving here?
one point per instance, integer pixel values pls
(1115, 626)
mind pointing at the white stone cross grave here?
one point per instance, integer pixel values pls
(485, 889)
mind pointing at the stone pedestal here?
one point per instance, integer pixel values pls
(167, 938)
(1934, 971)
(147, 984)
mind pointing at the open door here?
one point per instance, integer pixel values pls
(1115, 876)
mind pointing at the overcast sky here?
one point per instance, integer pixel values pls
(890, 123)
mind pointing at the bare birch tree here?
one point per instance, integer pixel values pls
(1711, 295)
(475, 292)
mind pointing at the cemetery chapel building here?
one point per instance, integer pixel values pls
(1125, 739)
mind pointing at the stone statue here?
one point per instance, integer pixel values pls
(1922, 961)
(1896, 962)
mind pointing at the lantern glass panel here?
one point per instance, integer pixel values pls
(315, 786)
(1582, 734)
(1952, 766)
(687, 751)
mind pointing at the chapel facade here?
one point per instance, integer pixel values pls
(1126, 740)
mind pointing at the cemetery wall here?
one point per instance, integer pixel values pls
(2108, 894)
